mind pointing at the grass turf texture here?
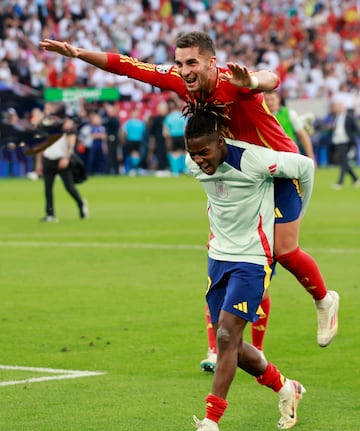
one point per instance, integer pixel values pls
(122, 293)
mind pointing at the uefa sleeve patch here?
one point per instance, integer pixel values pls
(163, 68)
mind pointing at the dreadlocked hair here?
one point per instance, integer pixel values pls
(204, 119)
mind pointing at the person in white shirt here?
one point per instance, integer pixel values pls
(55, 160)
(344, 132)
(238, 180)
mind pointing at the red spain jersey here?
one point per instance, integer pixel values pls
(251, 121)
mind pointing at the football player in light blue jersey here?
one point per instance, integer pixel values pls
(238, 180)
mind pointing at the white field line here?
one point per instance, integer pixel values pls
(119, 234)
(100, 245)
(107, 234)
(42, 244)
(59, 374)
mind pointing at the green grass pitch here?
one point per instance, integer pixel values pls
(122, 293)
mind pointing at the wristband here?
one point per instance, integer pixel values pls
(254, 83)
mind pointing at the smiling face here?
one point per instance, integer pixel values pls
(208, 152)
(198, 70)
(272, 99)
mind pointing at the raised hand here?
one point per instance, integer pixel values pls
(59, 47)
(239, 76)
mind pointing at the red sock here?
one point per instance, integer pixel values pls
(215, 407)
(306, 270)
(272, 378)
(258, 328)
(210, 331)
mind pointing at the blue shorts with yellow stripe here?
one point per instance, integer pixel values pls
(288, 202)
(236, 287)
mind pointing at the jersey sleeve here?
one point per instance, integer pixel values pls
(161, 76)
(296, 120)
(262, 162)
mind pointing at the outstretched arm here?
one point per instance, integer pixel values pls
(97, 59)
(161, 76)
(263, 80)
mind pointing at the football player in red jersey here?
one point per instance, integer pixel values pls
(195, 76)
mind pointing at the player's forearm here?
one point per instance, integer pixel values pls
(306, 186)
(96, 58)
(71, 142)
(267, 80)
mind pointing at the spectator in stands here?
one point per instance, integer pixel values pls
(96, 161)
(66, 78)
(5, 73)
(313, 48)
(112, 125)
(174, 127)
(84, 139)
(12, 152)
(344, 133)
(134, 138)
(157, 155)
(291, 122)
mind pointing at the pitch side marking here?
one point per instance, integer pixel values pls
(112, 234)
(148, 246)
(59, 374)
(100, 245)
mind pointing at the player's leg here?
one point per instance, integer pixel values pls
(303, 266)
(68, 181)
(266, 373)
(209, 363)
(258, 331)
(229, 334)
(343, 162)
(228, 285)
(49, 174)
(258, 328)
(290, 393)
(233, 351)
(346, 165)
(294, 259)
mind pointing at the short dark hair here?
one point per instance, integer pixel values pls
(196, 39)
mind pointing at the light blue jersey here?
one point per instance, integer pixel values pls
(134, 129)
(175, 122)
(241, 199)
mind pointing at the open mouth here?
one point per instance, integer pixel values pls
(206, 169)
(190, 81)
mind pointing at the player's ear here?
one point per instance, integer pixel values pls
(212, 61)
(221, 141)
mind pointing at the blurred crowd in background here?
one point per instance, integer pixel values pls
(314, 46)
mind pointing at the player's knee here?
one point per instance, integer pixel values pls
(223, 336)
(226, 338)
